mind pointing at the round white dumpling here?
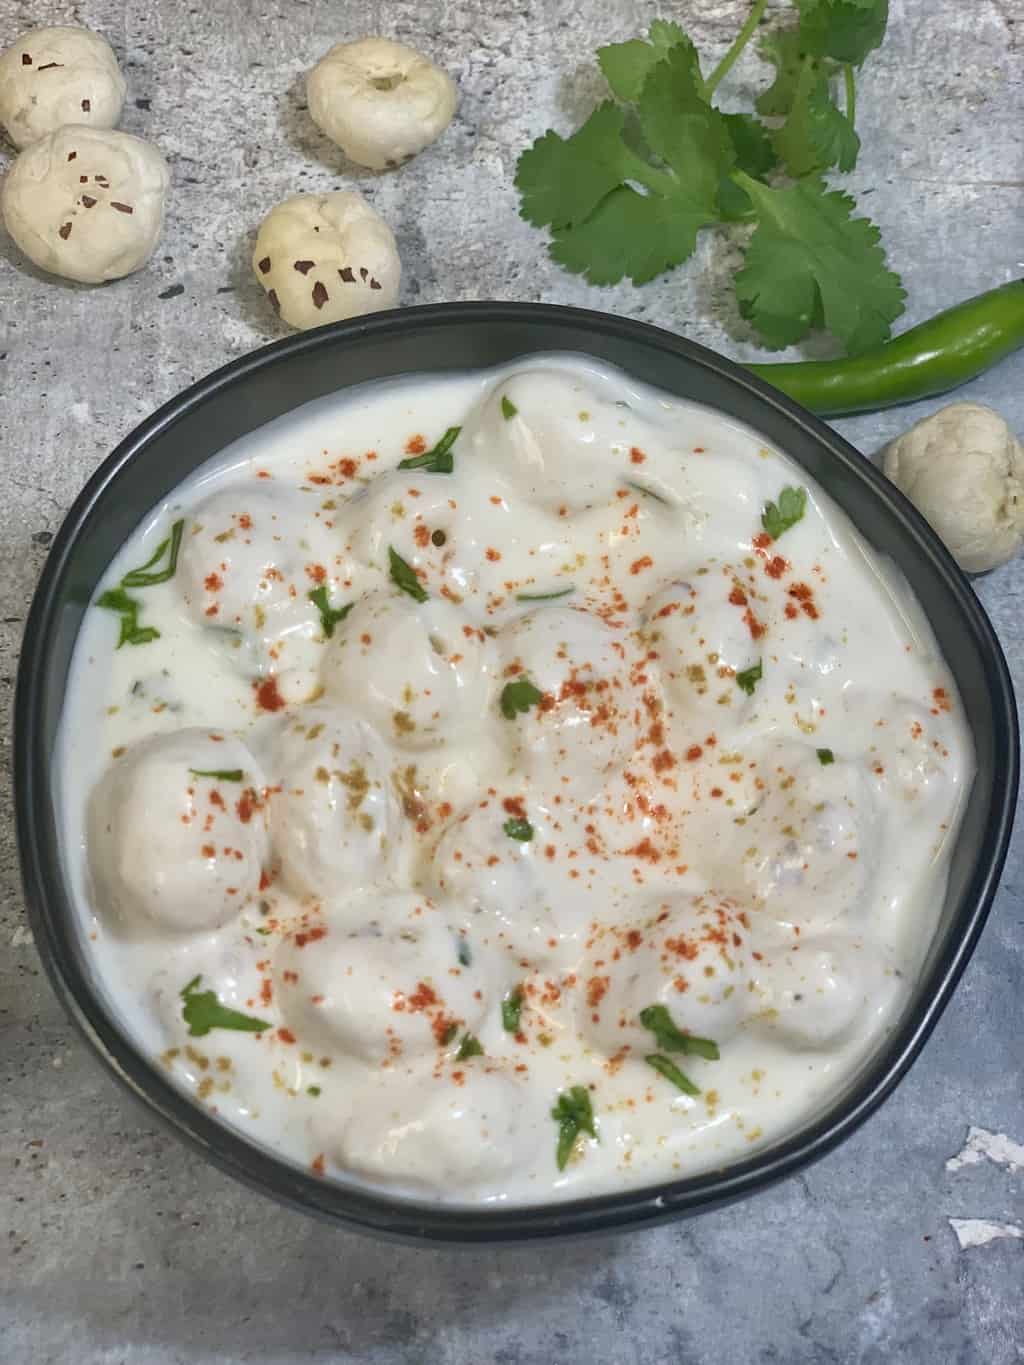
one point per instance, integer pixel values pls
(334, 817)
(552, 437)
(588, 717)
(506, 883)
(470, 1125)
(326, 257)
(689, 954)
(53, 76)
(395, 988)
(177, 832)
(706, 632)
(380, 101)
(808, 852)
(422, 672)
(822, 990)
(251, 557)
(86, 203)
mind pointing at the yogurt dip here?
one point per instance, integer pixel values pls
(508, 787)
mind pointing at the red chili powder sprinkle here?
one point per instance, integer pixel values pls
(415, 445)
(310, 936)
(638, 565)
(636, 455)
(286, 1035)
(268, 698)
(776, 567)
(694, 752)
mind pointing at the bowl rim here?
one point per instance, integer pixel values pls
(423, 1221)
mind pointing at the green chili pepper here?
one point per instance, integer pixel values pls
(940, 354)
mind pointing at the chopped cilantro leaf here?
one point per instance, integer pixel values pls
(518, 829)
(779, 517)
(825, 757)
(544, 596)
(202, 1012)
(574, 1115)
(671, 1039)
(220, 774)
(440, 459)
(508, 408)
(518, 696)
(313, 1090)
(810, 263)
(329, 616)
(404, 576)
(146, 576)
(462, 952)
(671, 1072)
(469, 1047)
(511, 1009)
(748, 679)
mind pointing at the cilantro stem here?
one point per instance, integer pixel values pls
(739, 43)
(851, 95)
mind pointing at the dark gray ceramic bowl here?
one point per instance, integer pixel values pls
(243, 396)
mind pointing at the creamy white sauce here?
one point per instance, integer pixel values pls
(359, 890)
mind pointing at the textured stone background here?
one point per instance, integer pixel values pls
(115, 1245)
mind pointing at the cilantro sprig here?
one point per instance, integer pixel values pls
(629, 192)
(438, 460)
(574, 1115)
(202, 1011)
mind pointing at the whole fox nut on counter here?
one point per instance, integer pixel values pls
(53, 76)
(86, 203)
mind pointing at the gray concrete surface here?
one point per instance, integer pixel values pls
(115, 1244)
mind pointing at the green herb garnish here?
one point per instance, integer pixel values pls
(508, 408)
(511, 1009)
(671, 1072)
(221, 774)
(462, 952)
(131, 633)
(778, 517)
(202, 1012)
(671, 1039)
(544, 596)
(119, 600)
(629, 192)
(518, 829)
(147, 576)
(329, 616)
(313, 1090)
(825, 757)
(469, 1047)
(403, 576)
(439, 460)
(749, 678)
(574, 1115)
(518, 697)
